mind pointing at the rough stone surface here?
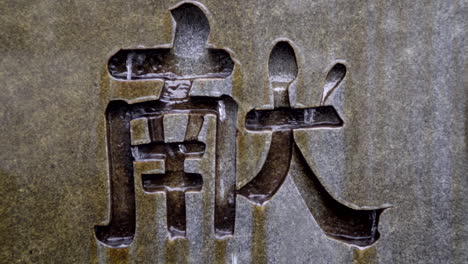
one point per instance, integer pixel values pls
(402, 145)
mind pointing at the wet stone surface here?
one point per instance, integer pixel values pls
(233, 132)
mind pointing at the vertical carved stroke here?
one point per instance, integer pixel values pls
(121, 228)
(282, 66)
(225, 181)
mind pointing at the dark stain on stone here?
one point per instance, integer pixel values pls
(220, 251)
(93, 250)
(259, 249)
(207, 225)
(177, 251)
(282, 120)
(365, 256)
(118, 255)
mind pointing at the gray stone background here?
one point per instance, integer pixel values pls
(404, 141)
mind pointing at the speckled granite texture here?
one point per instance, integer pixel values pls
(402, 144)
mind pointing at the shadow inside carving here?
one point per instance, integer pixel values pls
(292, 118)
(136, 132)
(189, 58)
(121, 228)
(333, 79)
(282, 120)
(140, 64)
(175, 181)
(358, 227)
(274, 171)
(124, 150)
(282, 64)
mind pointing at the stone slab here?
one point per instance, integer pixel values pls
(401, 146)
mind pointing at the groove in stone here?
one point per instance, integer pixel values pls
(273, 172)
(175, 182)
(121, 228)
(357, 227)
(283, 70)
(333, 79)
(293, 118)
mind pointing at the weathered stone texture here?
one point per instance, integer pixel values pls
(402, 145)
